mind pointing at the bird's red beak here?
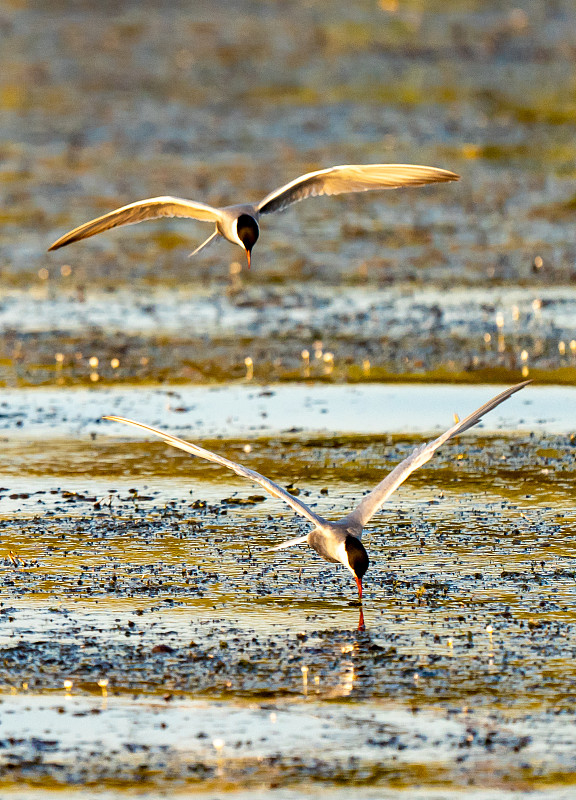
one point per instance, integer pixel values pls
(359, 585)
(248, 257)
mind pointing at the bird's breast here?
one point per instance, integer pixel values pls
(327, 545)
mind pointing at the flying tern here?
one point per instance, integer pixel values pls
(340, 541)
(239, 223)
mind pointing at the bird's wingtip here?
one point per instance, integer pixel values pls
(521, 385)
(448, 175)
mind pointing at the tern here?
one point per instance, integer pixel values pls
(340, 541)
(239, 223)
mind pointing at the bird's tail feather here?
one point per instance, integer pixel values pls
(208, 241)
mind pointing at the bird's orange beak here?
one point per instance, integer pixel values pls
(359, 585)
(248, 257)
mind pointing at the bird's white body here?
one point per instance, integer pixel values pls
(328, 541)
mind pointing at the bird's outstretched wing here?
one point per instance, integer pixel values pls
(373, 501)
(275, 490)
(153, 208)
(352, 178)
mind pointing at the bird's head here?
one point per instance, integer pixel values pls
(247, 231)
(358, 561)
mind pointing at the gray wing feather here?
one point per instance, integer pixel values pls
(352, 178)
(372, 502)
(275, 490)
(153, 208)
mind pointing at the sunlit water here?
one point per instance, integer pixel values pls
(129, 563)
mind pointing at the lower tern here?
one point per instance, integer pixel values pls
(239, 223)
(340, 541)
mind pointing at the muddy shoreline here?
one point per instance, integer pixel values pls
(354, 335)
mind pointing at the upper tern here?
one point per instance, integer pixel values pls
(339, 541)
(239, 223)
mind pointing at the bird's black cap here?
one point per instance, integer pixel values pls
(357, 556)
(248, 231)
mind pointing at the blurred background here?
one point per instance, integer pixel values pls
(105, 103)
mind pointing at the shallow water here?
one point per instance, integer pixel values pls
(219, 746)
(131, 563)
(292, 333)
(249, 411)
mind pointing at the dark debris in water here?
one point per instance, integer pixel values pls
(393, 336)
(441, 657)
(271, 743)
(470, 596)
